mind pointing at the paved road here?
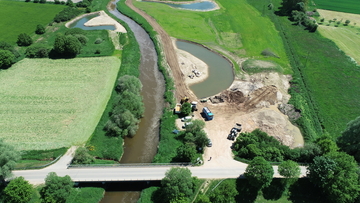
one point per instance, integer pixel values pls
(132, 173)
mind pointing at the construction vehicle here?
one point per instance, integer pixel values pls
(177, 108)
(208, 115)
(234, 131)
(184, 99)
(193, 106)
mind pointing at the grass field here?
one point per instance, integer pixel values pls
(235, 28)
(329, 80)
(46, 104)
(345, 38)
(347, 6)
(21, 17)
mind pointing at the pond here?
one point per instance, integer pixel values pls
(221, 73)
(199, 6)
(80, 24)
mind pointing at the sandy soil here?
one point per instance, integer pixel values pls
(102, 19)
(189, 64)
(254, 103)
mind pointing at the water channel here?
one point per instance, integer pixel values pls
(221, 73)
(199, 6)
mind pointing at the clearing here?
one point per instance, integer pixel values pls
(28, 15)
(46, 104)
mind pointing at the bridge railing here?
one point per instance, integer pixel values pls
(129, 165)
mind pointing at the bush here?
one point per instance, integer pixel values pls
(57, 1)
(37, 51)
(75, 31)
(24, 40)
(36, 1)
(98, 41)
(67, 14)
(6, 46)
(6, 58)
(40, 29)
(42, 1)
(82, 39)
(67, 46)
(82, 156)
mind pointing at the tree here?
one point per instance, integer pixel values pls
(177, 182)
(67, 46)
(129, 101)
(289, 169)
(57, 188)
(290, 5)
(347, 22)
(337, 174)
(326, 144)
(259, 172)
(40, 29)
(186, 108)
(224, 193)
(82, 156)
(8, 158)
(18, 191)
(70, 3)
(24, 40)
(37, 51)
(201, 198)
(130, 83)
(123, 124)
(6, 58)
(186, 153)
(349, 141)
(298, 16)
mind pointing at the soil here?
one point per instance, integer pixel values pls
(251, 101)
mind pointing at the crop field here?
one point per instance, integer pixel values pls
(235, 28)
(346, 39)
(47, 104)
(347, 6)
(21, 17)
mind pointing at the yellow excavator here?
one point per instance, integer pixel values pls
(184, 99)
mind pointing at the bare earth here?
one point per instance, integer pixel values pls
(102, 19)
(251, 101)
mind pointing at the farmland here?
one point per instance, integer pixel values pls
(347, 6)
(235, 30)
(20, 17)
(46, 104)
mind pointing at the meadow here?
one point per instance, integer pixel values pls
(325, 86)
(234, 28)
(20, 17)
(347, 6)
(48, 104)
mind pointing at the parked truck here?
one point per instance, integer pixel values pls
(209, 116)
(177, 108)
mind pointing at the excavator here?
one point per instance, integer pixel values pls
(184, 99)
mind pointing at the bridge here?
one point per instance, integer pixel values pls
(210, 170)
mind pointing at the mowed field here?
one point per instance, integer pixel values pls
(21, 17)
(346, 39)
(47, 104)
(348, 6)
(237, 27)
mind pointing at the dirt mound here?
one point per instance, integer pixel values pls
(229, 96)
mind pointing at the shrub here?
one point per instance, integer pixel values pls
(88, 10)
(97, 51)
(6, 58)
(67, 14)
(40, 29)
(82, 39)
(42, 1)
(347, 22)
(75, 31)
(57, 1)
(24, 40)
(67, 46)
(98, 41)
(36, 1)
(82, 156)
(27, 0)
(37, 51)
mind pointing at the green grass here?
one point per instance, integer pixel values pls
(235, 28)
(21, 17)
(86, 194)
(346, 38)
(347, 6)
(326, 82)
(47, 104)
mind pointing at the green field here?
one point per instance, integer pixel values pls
(345, 38)
(347, 6)
(46, 104)
(235, 28)
(20, 17)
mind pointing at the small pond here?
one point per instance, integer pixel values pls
(221, 73)
(80, 24)
(199, 6)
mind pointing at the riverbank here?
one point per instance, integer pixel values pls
(102, 19)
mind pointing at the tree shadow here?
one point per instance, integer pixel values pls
(275, 190)
(303, 191)
(247, 192)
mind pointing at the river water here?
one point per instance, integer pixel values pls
(143, 146)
